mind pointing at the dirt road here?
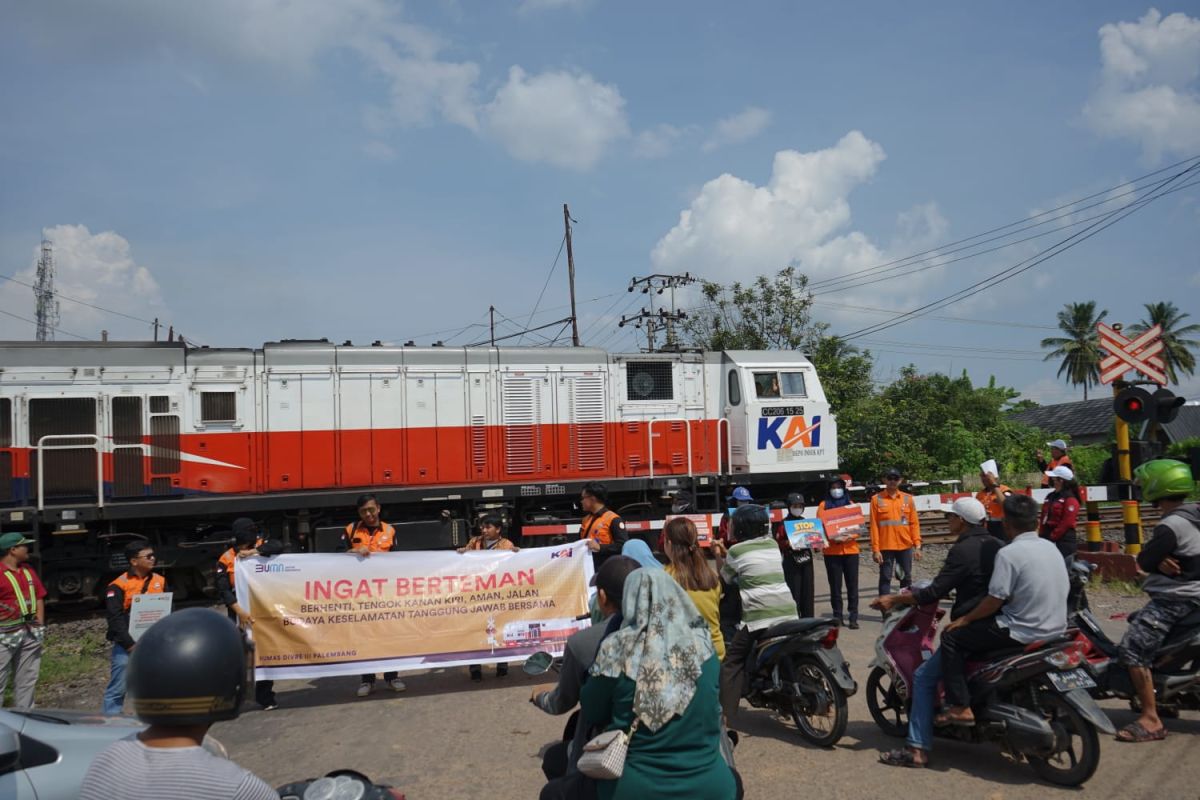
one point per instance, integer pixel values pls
(449, 738)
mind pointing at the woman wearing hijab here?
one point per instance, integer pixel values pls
(640, 552)
(657, 675)
(841, 557)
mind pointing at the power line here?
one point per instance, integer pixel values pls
(62, 296)
(1027, 264)
(546, 285)
(34, 322)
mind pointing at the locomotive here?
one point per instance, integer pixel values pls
(102, 442)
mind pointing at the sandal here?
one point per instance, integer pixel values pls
(1134, 732)
(901, 758)
(946, 718)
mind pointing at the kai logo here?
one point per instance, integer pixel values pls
(563, 553)
(772, 432)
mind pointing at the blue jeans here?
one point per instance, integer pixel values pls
(924, 697)
(114, 695)
(892, 559)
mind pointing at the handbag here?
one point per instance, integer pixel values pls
(603, 757)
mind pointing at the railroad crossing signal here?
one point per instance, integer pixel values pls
(1140, 353)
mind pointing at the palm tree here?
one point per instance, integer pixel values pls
(1176, 349)
(1080, 348)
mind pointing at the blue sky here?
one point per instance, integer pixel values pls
(249, 170)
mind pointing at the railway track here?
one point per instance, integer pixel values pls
(934, 531)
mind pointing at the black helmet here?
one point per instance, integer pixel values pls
(189, 668)
(795, 499)
(751, 521)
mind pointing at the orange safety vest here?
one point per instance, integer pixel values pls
(378, 542)
(133, 585)
(1065, 461)
(849, 548)
(894, 522)
(599, 526)
(477, 543)
(229, 558)
(994, 508)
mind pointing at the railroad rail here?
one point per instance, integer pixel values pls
(934, 531)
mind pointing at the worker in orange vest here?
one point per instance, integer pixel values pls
(370, 534)
(1058, 458)
(895, 532)
(247, 543)
(992, 496)
(140, 578)
(603, 529)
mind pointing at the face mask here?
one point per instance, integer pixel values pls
(797, 511)
(678, 509)
(837, 494)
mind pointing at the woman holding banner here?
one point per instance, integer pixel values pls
(841, 554)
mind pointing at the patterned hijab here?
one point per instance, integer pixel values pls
(661, 646)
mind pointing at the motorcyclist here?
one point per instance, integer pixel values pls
(1171, 561)
(966, 573)
(559, 762)
(755, 566)
(189, 670)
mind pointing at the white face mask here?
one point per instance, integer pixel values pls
(797, 511)
(678, 509)
(836, 494)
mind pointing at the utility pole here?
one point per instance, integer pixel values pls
(571, 273)
(492, 324)
(661, 319)
(43, 292)
(156, 329)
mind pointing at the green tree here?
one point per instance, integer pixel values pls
(769, 314)
(1177, 349)
(1080, 348)
(845, 371)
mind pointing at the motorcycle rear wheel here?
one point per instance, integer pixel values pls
(1076, 763)
(823, 730)
(887, 707)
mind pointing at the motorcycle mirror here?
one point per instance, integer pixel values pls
(538, 663)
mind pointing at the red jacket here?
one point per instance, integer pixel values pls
(1059, 515)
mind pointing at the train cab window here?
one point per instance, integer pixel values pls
(766, 385)
(793, 384)
(735, 388)
(218, 406)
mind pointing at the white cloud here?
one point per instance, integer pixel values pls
(1196, 280)
(562, 118)
(739, 128)
(735, 230)
(94, 268)
(1149, 89)
(657, 142)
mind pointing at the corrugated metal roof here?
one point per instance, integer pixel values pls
(1084, 418)
(1186, 425)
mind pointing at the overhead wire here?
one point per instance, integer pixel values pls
(34, 322)
(1024, 265)
(562, 243)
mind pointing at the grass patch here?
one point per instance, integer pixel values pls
(1126, 588)
(67, 657)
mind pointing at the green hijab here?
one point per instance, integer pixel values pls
(661, 645)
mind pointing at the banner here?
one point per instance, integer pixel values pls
(343, 614)
(843, 524)
(805, 534)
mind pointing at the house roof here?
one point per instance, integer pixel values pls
(1186, 425)
(1084, 418)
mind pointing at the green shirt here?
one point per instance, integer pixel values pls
(757, 567)
(681, 760)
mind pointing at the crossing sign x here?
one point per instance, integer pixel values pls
(1140, 353)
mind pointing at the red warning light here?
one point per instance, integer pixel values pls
(1134, 405)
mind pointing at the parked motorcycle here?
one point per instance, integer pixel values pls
(1176, 674)
(1030, 700)
(799, 672)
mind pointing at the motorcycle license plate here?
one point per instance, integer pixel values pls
(1071, 679)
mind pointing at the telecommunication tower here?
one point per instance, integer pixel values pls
(43, 290)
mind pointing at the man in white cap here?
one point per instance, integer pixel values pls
(1058, 458)
(967, 570)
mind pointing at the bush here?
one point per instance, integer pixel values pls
(1088, 461)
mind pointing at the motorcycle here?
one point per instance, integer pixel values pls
(342, 784)
(798, 671)
(1176, 673)
(1031, 700)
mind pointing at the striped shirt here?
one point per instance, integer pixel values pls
(756, 566)
(129, 770)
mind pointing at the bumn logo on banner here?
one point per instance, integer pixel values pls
(1141, 353)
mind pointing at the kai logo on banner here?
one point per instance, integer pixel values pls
(797, 432)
